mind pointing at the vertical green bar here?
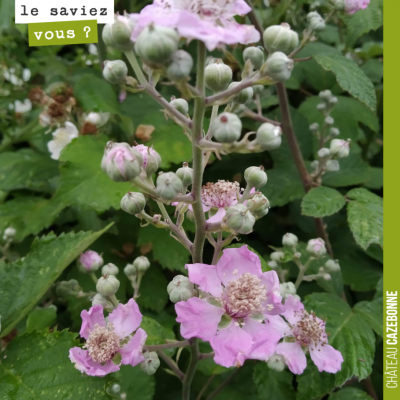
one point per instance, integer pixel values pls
(391, 280)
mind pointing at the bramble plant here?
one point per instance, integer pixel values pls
(231, 309)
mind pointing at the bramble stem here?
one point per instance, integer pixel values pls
(223, 384)
(194, 358)
(205, 387)
(172, 364)
(218, 248)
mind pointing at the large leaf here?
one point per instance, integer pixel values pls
(350, 393)
(372, 312)
(36, 366)
(135, 383)
(365, 216)
(349, 77)
(25, 281)
(321, 202)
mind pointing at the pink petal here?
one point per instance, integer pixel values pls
(90, 319)
(236, 262)
(241, 8)
(279, 324)
(198, 318)
(126, 318)
(132, 352)
(271, 281)
(231, 346)
(294, 308)
(84, 363)
(294, 356)
(326, 358)
(264, 338)
(206, 277)
(218, 216)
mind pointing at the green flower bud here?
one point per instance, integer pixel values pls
(290, 240)
(255, 55)
(280, 38)
(244, 96)
(107, 285)
(115, 72)
(269, 136)
(99, 299)
(339, 4)
(168, 185)
(334, 132)
(151, 363)
(321, 106)
(279, 66)
(273, 264)
(226, 128)
(255, 177)
(156, 45)
(315, 22)
(133, 203)
(180, 66)
(9, 233)
(340, 148)
(259, 205)
(142, 264)
(332, 165)
(217, 76)
(315, 164)
(118, 34)
(239, 219)
(130, 270)
(190, 215)
(333, 100)
(185, 174)
(316, 247)
(329, 121)
(115, 389)
(325, 95)
(287, 289)
(324, 152)
(110, 269)
(277, 256)
(327, 277)
(332, 266)
(65, 288)
(314, 127)
(276, 363)
(257, 89)
(180, 289)
(181, 105)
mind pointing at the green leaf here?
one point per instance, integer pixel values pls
(26, 169)
(36, 366)
(349, 334)
(82, 180)
(372, 313)
(166, 250)
(273, 385)
(365, 217)
(350, 393)
(24, 282)
(321, 202)
(135, 383)
(156, 333)
(349, 77)
(41, 318)
(375, 182)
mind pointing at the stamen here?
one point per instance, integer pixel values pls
(310, 330)
(103, 343)
(220, 194)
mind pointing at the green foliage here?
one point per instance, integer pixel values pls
(41, 318)
(350, 393)
(321, 202)
(135, 383)
(372, 312)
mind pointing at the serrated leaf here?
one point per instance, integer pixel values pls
(36, 366)
(82, 180)
(156, 333)
(321, 202)
(24, 282)
(135, 383)
(365, 217)
(372, 313)
(375, 182)
(41, 318)
(349, 77)
(26, 169)
(350, 393)
(273, 385)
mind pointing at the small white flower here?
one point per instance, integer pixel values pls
(22, 106)
(98, 119)
(10, 76)
(26, 74)
(92, 48)
(61, 137)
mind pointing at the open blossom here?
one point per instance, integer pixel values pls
(352, 6)
(238, 297)
(211, 21)
(308, 333)
(105, 338)
(61, 137)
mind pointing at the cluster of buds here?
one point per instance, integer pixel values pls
(135, 272)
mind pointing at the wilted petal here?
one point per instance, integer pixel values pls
(84, 363)
(90, 319)
(294, 356)
(326, 358)
(126, 318)
(206, 277)
(132, 352)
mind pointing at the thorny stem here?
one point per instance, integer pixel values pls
(223, 384)
(245, 83)
(260, 118)
(172, 364)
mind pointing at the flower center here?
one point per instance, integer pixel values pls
(102, 343)
(220, 194)
(310, 330)
(244, 296)
(206, 8)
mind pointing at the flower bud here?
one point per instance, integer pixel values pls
(121, 162)
(239, 219)
(314, 127)
(180, 289)
(332, 266)
(255, 55)
(276, 363)
(217, 76)
(340, 148)
(157, 44)
(333, 100)
(325, 95)
(280, 38)
(257, 89)
(327, 277)
(290, 240)
(321, 106)
(244, 95)
(334, 132)
(269, 136)
(151, 159)
(142, 264)
(329, 121)
(277, 256)
(130, 270)
(332, 166)
(99, 299)
(273, 264)
(115, 389)
(133, 203)
(107, 285)
(226, 128)
(315, 164)
(339, 4)
(110, 269)
(316, 247)
(115, 72)
(255, 177)
(287, 289)
(315, 22)
(324, 152)
(180, 66)
(168, 185)
(181, 105)
(263, 205)
(185, 174)
(352, 6)
(118, 34)
(9, 233)
(190, 215)
(279, 66)
(65, 288)
(151, 362)
(90, 261)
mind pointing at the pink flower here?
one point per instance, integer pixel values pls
(105, 339)
(211, 21)
(91, 260)
(352, 6)
(308, 333)
(230, 316)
